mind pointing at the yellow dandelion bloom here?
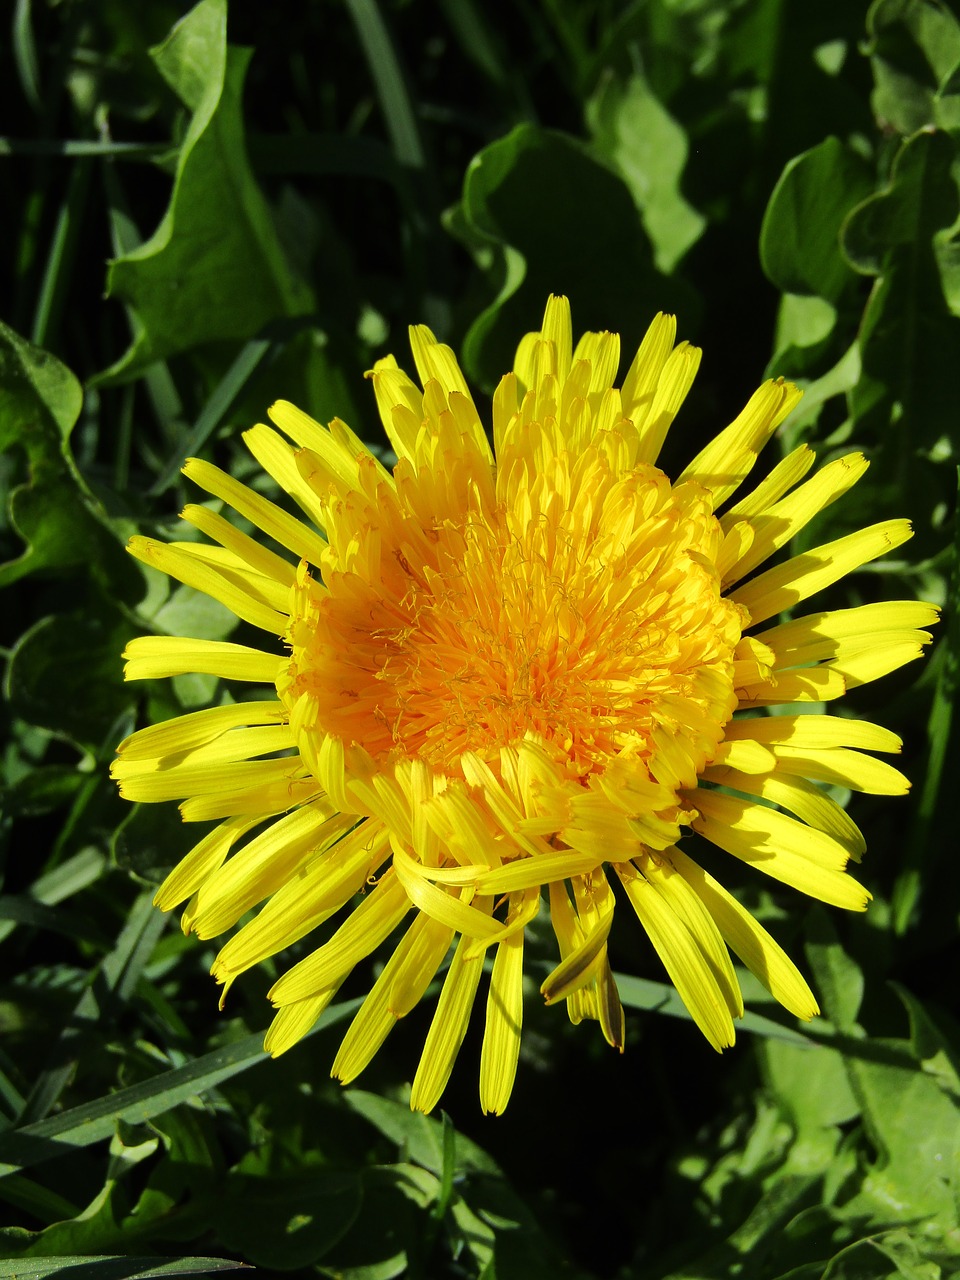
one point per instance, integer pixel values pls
(505, 677)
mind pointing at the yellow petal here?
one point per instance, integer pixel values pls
(788, 472)
(844, 768)
(292, 1023)
(766, 830)
(787, 584)
(802, 798)
(273, 794)
(748, 939)
(335, 463)
(364, 929)
(448, 1028)
(644, 373)
(393, 387)
(728, 459)
(558, 329)
(190, 569)
(400, 986)
(782, 521)
(202, 860)
(241, 743)
(260, 559)
(279, 460)
(438, 903)
(674, 382)
(821, 635)
(813, 731)
(701, 926)
(262, 867)
(771, 842)
(689, 971)
(195, 729)
(278, 524)
(337, 870)
(202, 780)
(580, 965)
(504, 1019)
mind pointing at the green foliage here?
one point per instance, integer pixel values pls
(217, 241)
(207, 208)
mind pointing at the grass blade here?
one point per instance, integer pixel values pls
(228, 389)
(659, 997)
(93, 1121)
(112, 1267)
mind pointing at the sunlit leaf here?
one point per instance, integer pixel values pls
(214, 268)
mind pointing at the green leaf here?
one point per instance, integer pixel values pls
(42, 789)
(810, 1085)
(111, 988)
(908, 338)
(636, 133)
(53, 511)
(893, 1255)
(800, 235)
(552, 219)
(914, 1124)
(933, 807)
(387, 1241)
(151, 839)
(286, 1222)
(70, 877)
(838, 978)
(419, 1137)
(65, 675)
(662, 997)
(110, 1267)
(214, 268)
(40, 399)
(913, 45)
(93, 1121)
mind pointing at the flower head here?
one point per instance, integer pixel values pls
(506, 676)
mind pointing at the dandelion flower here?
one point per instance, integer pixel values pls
(504, 679)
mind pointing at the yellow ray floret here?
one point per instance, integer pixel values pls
(500, 680)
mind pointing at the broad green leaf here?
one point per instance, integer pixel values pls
(810, 1084)
(285, 1222)
(214, 268)
(390, 1238)
(908, 338)
(800, 236)
(419, 1137)
(152, 838)
(634, 131)
(919, 200)
(838, 979)
(65, 675)
(52, 511)
(890, 1255)
(40, 399)
(553, 219)
(913, 45)
(805, 327)
(914, 1125)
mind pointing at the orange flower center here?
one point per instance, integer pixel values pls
(586, 610)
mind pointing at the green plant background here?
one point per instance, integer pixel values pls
(205, 210)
